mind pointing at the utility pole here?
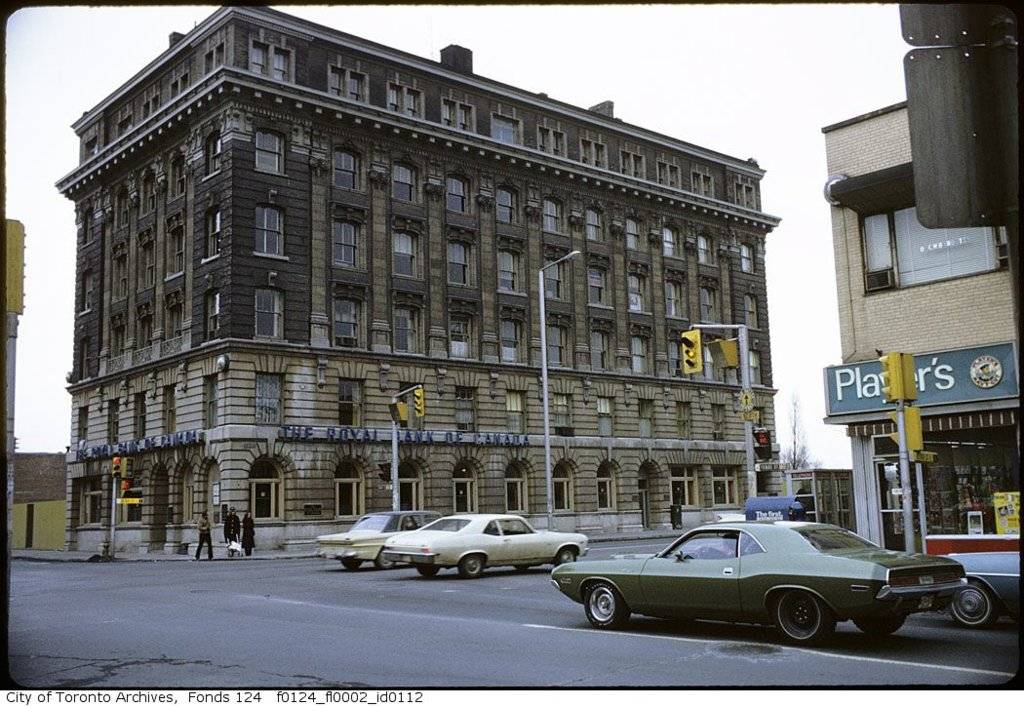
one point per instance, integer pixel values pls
(399, 413)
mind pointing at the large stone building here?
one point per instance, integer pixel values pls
(943, 295)
(280, 225)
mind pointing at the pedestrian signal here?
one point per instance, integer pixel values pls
(692, 351)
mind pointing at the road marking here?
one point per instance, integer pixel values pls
(855, 658)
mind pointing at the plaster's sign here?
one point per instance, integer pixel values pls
(944, 377)
(137, 446)
(405, 436)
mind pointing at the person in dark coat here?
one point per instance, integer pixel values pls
(248, 534)
(232, 529)
(204, 528)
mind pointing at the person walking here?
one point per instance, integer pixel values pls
(248, 534)
(205, 528)
(232, 529)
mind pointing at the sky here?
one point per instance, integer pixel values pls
(750, 81)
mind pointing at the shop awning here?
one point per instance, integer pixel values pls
(945, 422)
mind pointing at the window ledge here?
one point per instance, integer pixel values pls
(209, 176)
(209, 259)
(83, 312)
(513, 292)
(271, 256)
(596, 305)
(175, 276)
(268, 171)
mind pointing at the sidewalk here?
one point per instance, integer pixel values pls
(220, 552)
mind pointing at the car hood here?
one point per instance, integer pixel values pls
(891, 559)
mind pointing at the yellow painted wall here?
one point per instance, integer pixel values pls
(48, 525)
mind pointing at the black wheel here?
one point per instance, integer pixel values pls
(880, 627)
(974, 606)
(605, 607)
(565, 555)
(351, 564)
(471, 566)
(381, 563)
(427, 571)
(803, 618)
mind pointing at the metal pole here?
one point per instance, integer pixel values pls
(544, 396)
(748, 426)
(908, 494)
(921, 519)
(114, 480)
(395, 499)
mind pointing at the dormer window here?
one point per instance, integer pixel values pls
(406, 100)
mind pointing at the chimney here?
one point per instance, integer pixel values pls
(607, 108)
(457, 58)
(174, 39)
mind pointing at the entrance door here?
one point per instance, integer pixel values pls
(890, 503)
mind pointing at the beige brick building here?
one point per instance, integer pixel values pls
(943, 295)
(280, 226)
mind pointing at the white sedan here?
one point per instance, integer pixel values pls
(473, 542)
(364, 540)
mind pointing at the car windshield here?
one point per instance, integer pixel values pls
(372, 522)
(446, 524)
(825, 539)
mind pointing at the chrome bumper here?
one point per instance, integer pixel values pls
(887, 592)
(401, 557)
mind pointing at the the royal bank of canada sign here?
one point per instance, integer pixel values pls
(943, 377)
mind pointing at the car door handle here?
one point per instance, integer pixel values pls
(727, 571)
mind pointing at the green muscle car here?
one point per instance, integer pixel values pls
(801, 576)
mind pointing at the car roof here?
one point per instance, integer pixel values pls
(480, 516)
(399, 513)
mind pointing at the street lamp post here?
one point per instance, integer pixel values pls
(544, 380)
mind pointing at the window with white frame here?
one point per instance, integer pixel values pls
(562, 488)
(211, 154)
(176, 250)
(674, 299)
(147, 264)
(460, 343)
(344, 243)
(593, 152)
(638, 353)
(684, 486)
(750, 310)
(505, 205)
(404, 253)
(269, 313)
(632, 234)
(557, 338)
(211, 317)
(213, 232)
(553, 280)
(645, 414)
(701, 181)
(551, 141)
(269, 230)
(350, 403)
(174, 319)
(561, 409)
(121, 277)
(405, 100)
(599, 350)
(723, 486)
(465, 408)
(265, 490)
(718, 422)
(632, 164)
(705, 250)
(708, 305)
(91, 501)
(746, 258)
(348, 490)
(552, 216)
(458, 263)
(515, 489)
(406, 330)
(511, 333)
(403, 182)
(346, 169)
(268, 398)
(508, 271)
(515, 409)
(347, 313)
(755, 367)
(672, 350)
(593, 225)
(669, 242)
(597, 285)
(637, 285)
(605, 416)
(210, 416)
(457, 115)
(258, 58)
(269, 151)
(504, 129)
(605, 487)
(668, 174)
(456, 194)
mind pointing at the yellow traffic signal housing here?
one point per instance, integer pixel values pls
(399, 413)
(912, 424)
(898, 377)
(126, 464)
(692, 351)
(419, 401)
(115, 466)
(727, 350)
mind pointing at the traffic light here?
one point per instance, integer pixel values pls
(115, 466)
(692, 351)
(399, 413)
(912, 425)
(419, 401)
(726, 350)
(126, 465)
(762, 444)
(898, 377)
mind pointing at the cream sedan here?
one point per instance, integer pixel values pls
(364, 539)
(473, 542)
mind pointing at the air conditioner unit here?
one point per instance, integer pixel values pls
(565, 431)
(883, 279)
(347, 341)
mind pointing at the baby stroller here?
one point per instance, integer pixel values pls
(234, 548)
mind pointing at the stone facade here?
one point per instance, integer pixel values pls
(248, 230)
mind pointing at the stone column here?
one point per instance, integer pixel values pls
(320, 225)
(656, 292)
(160, 246)
(532, 261)
(380, 258)
(132, 264)
(578, 284)
(435, 270)
(619, 290)
(193, 165)
(488, 277)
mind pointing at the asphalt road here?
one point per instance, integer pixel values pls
(309, 623)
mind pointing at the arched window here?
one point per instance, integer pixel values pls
(211, 153)
(562, 487)
(594, 225)
(463, 488)
(456, 194)
(348, 490)
(552, 216)
(606, 497)
(515, 489)
(265, 489)
(410, 487)
(346, 170)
